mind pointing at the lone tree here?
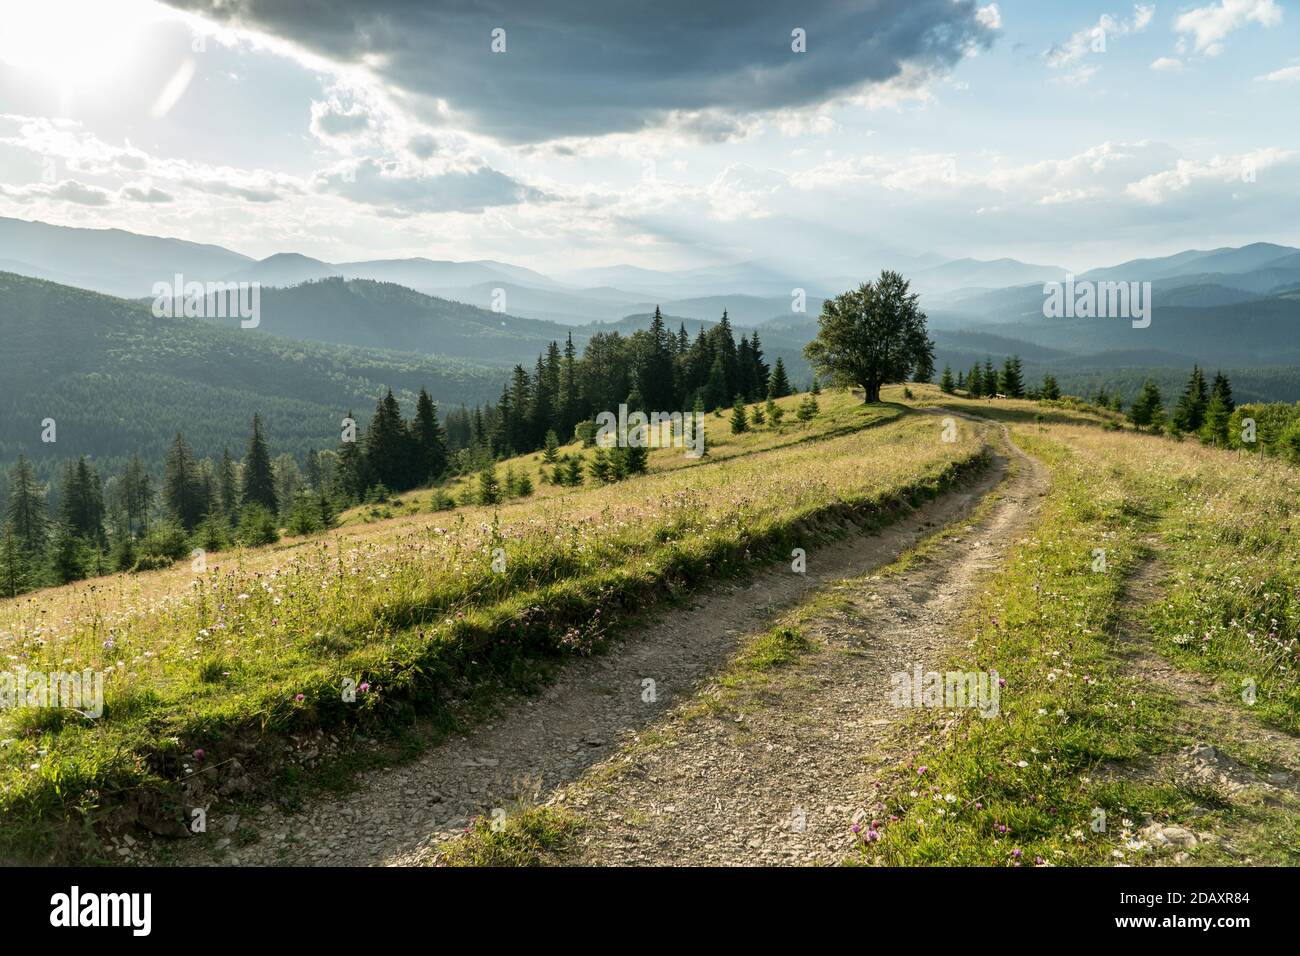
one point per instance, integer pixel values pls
(872, 336)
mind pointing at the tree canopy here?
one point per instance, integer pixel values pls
(873, 335)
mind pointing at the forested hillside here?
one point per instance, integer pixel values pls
(117, 381)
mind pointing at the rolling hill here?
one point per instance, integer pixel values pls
(116, 379)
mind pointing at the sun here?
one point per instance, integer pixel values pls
(76, 44)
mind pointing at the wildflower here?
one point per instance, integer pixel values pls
(198, 754)
(300, 698)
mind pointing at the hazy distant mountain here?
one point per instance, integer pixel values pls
(1260, 332)
(568, 307)
(386, 315)
(109, 260)
(432, 274)
(1210, 305)
(758, 277)
(1228, 259)
(284, 269)
(975, 274)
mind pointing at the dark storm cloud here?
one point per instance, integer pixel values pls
(583, 67)
(387, 186)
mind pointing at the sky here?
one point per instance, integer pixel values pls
(669, 134)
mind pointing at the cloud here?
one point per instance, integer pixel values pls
(331, 120)
(1209, 25)
(1288, 74)
(146, 194)
(1219, 171)
(573, 69)
(388, 186)
(1079, 77)
(989, 16)
(85, 153)
(422, 145)
(1167, 64)
(1093, 39)
(70, 190)
(242, 188)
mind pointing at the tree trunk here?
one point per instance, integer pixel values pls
(871, 392)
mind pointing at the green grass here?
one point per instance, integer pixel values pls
(414, 614)
(1015, 788)
(523, 838)
(1024, 788)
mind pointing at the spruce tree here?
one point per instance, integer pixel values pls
(761, 370)
(134, 495)
(739, 420)
(725, 347)
(315, 474)
(1051, 390)
(489, 489)
(774, 412)
(1012, 381)
(326, 513)
(25, 516)
(350, 472)
(573, 470)
(715, 389)
(259, 475)
(1222, 389)
(81, 502)
(945, 382)
(569, 411)
(14, 568)
(636, 459)
(551, 448)
(67, 555)
(1214, 430)
(430, 444)
(600, 467)
(228, 486)
(975, 381)
(654, 377)
(182, 485)
(745, 383)
(1189, 413)
(778, 384)
(1148, 408)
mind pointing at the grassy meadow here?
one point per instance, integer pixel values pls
(415, 615)
(1024, 788)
